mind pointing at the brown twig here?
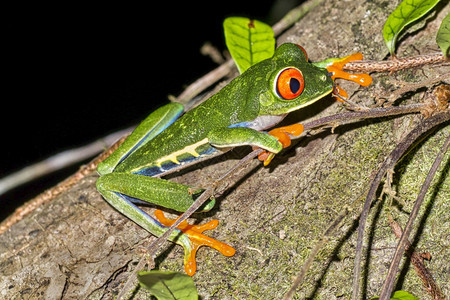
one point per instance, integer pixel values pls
(61, 187)
(205, 81)
(346, 117)
(409, 87)
(396, 64)
(417, 261)
(389, 281)
(412, 137)
(294, 15)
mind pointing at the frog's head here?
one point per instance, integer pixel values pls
(293, 82)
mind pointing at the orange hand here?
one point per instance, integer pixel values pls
(337, 69)
(197, 238)
(281, 134)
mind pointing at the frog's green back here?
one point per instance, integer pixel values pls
(186, 137)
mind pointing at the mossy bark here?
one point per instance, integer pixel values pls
(78, 247)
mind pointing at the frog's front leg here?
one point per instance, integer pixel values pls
(122, 189)
(239, 136)
(272, 143)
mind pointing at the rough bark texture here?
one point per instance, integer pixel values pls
(78, 247)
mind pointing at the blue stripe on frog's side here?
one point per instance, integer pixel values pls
(168, 165)
(242, 124)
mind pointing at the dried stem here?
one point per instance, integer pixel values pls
(417, 261)
(294, 15)
(64, 185)
(408, 87)
(396, 64)
(58, 161)
(389, 281)
(205, 81)
(346, 117)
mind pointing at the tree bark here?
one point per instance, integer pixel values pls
(78, 247)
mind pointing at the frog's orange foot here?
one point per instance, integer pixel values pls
(339, 93)
(282, 134)
(336, 68)
(197, 239)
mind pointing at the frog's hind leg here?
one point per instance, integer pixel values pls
(125, 206)
(153, 125)
(120, 188)
(152, 190)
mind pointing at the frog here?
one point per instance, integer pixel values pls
(170, 139)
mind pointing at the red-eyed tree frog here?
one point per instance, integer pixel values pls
(237, 115)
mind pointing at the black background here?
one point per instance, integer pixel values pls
(72, 74)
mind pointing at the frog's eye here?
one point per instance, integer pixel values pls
(289, 83)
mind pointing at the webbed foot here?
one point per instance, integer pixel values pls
(336, 65)
(282, 134)
(197, 239)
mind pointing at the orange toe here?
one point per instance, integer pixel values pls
(336, 68)
(281, 133)
(197, 238)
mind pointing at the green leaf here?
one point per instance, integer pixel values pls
(399, 295)
(443, 36)
(168, 285)
(249, 41)
(406, 13)
(402, 295)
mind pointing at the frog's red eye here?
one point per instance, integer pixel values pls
(290, 83)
